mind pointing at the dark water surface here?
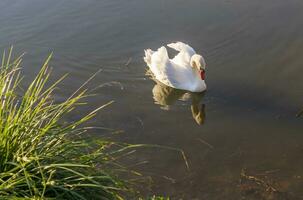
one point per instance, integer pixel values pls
(246, 119)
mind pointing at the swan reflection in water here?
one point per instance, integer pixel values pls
(167, 96)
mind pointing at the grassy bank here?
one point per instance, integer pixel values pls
(42, 156)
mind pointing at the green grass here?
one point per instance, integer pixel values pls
(42, 156)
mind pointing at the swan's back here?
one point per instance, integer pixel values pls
(185, 53)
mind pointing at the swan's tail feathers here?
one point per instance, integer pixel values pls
(148, 56)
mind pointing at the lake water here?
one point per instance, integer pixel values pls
(245, 121)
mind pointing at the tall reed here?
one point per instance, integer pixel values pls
(41, 156)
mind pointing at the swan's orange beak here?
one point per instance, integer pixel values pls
(202, 74)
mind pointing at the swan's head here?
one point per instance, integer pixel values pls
(198, 62)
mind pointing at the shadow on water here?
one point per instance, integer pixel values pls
(166, 96)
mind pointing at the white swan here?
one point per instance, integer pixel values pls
(186, 71)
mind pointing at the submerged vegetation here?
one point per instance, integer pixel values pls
(41, 156)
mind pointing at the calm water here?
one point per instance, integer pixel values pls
(246, 119)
